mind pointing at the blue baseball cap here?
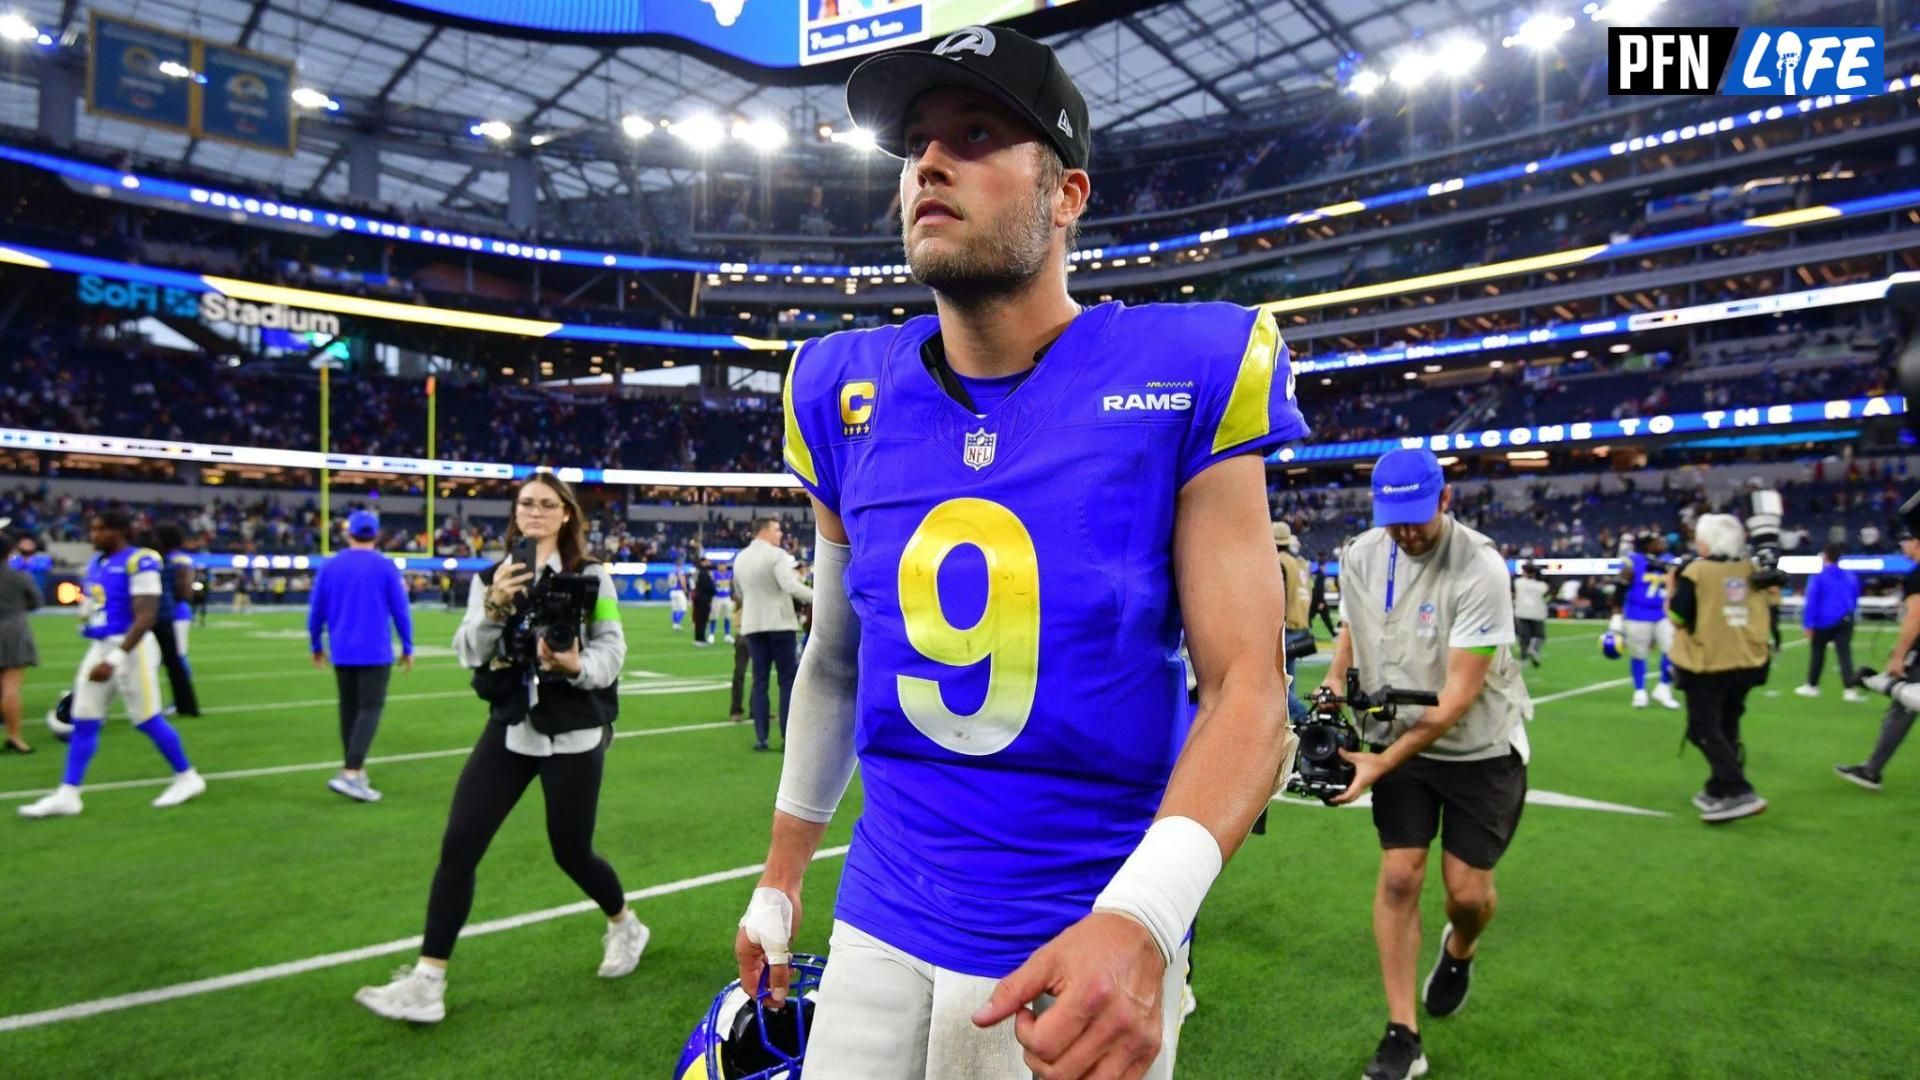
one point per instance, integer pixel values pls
(1406, 487)
(363, 525)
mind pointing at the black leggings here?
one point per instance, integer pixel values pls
(489, 787)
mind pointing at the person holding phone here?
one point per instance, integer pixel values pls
(550, 716)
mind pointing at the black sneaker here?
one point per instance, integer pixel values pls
(1858, 774)
(1450, 980)
(1399, 1056)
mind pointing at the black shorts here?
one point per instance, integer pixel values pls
(1473, 806)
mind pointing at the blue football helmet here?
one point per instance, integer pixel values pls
(1610, 645)
(60, 718)
(740, 1038)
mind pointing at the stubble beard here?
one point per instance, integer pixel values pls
(1001, 263)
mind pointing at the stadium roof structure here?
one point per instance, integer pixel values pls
(419, 85)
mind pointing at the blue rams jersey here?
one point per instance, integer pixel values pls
(112, 583)
(1647, 592)
(169, 597)
(1021, 694)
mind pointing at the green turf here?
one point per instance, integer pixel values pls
(1625, 946)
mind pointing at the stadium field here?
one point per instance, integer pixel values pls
(226, 937)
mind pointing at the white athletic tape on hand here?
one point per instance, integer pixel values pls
(116, 658)
(1163, 882)
(768, 923)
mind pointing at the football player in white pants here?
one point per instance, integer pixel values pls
(121, 603)
(677, 596)
(1642, 618)
(1032, 862)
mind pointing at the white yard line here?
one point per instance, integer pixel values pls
(197, 987)
(334, 765)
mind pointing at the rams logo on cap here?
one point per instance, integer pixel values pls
(974, 39)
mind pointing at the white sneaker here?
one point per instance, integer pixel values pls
(1664, 695)
(353, 787)
(1807, 691)
(186, 785)
(1639, 699)
(729, 639)
(1853, 695)
(625, 941)
(64, 802)
(412, 995)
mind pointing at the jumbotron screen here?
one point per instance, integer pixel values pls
(771, 33)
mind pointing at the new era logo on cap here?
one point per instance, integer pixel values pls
(1065, 123)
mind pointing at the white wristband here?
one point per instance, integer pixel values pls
(1163, 882)
(116, 658)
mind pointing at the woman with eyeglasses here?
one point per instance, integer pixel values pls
(550, 717)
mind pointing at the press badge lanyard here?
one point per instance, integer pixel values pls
(1393, 564)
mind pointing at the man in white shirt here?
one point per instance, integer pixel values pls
(767, 584)
(1530, 612)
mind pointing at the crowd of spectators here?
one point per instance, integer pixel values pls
(153, 394)
(1853, 503)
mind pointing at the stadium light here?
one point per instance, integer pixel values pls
(859, 138)
(1458, 55)
(16, 29)
(636, 126)
(703, 133)
(175, 69)
(541, 139)
(497, 130)
(1540, 31)
(1365, 82)
(308, 98)
(763, 135)
(1622, 12)
(1413, 70)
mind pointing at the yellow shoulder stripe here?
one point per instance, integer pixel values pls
(1246, 416)
(799, 458)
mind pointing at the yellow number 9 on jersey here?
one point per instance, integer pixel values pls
(1007, 634)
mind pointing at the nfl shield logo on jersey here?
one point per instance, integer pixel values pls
(978, 453)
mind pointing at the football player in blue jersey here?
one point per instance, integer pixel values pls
(121, 603)
(677, 593)
(1641, 617)
(1021, 504)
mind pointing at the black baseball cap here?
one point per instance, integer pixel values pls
(1016, 70)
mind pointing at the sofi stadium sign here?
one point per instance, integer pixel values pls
(208, 307)
(1590, 431)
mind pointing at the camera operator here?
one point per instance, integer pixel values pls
(1299, 593)
(1903, 666)
(1719, 611)
(1426, 605)
(551, 713)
